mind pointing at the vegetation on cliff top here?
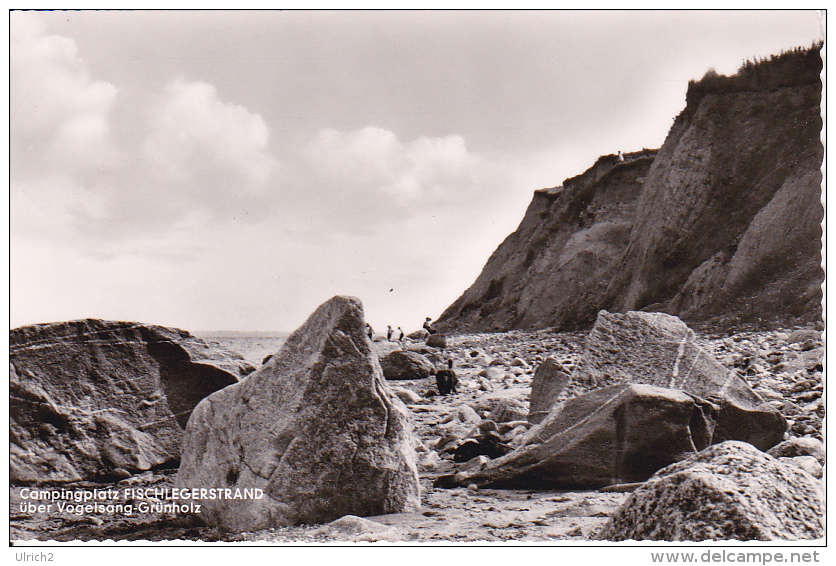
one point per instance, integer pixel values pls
(798, 66)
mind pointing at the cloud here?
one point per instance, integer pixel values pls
(58, 114)
(199, 142)
(367, 179)
(188, 160)
(201, 159)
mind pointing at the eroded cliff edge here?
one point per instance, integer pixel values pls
(722, 224)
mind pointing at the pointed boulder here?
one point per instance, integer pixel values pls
(549, 382)
(314, 435)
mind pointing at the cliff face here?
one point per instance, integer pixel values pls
(723, 223)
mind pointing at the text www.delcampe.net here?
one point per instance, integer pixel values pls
(741, 556)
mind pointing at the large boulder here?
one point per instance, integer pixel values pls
(405, 364)
(93, 399)
(317, 430)
(799, 446)
(549, 381)
(729, 491)
(619, 434)
(659, 349)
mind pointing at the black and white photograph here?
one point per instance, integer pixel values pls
(415, 278)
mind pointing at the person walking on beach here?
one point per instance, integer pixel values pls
(400, 338)
(389, 332)
(370, 331)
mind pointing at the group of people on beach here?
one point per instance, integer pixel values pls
(390, 333)
(446, 379)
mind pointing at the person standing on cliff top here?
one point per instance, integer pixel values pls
(620, 156)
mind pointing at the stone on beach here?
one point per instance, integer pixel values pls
(318, 430)
(623, 433)
(507, 410)
(405, 364)
(356, 529)
(799, 446)
(659, 349)
(93, 398)
(437, 341)
(729, 491)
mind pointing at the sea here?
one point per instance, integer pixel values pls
(253, 346)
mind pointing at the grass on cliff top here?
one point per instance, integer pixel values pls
(799, 66)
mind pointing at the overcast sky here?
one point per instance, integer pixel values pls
(233, 170)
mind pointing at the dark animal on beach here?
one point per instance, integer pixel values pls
(446, 380)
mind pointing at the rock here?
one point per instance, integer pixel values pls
(421, 349)
(404, 364)
(549, 382)
(430, 461)
(729, 491)
(418, 335)
(504, 428)
(508, 410)
(318, 430)
(405, 395)
(385, 347)
(807, 463)
(488, 426)
(465, 414)
(802, 335)
(623, 433)
(490, 401)
(769, 394)
(437, 341)
(485, 444)
(89, 397)
(491, 373)
(807, 360)
(807, 396)
(357, 529)
(799, 446)
(659, 349)
(482, 360)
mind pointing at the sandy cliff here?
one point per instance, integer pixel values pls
(723, 223)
